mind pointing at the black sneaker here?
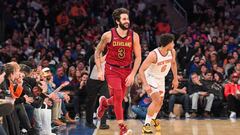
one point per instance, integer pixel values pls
(104, 126)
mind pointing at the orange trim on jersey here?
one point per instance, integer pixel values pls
(162, 54)
(156, 57)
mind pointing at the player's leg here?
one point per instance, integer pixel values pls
(155, 121)
(152, 110)
(124, 130)
(103, 101)
(161, 93)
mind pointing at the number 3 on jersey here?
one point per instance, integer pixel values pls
(163, 68)
(121, 53)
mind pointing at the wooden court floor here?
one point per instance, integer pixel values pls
(181, 127)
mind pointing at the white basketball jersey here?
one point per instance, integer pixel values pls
(161, 68)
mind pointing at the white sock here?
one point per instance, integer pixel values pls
(148, 119)
(154, 116)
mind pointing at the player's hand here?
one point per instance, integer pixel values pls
(147, 88)
(129, 80)
(175, 84)
(100, 76)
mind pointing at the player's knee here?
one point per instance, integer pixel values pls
(149, 92)
(118, 98)
(158, 101)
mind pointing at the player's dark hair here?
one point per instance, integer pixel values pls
(117, 12)
(165, 39)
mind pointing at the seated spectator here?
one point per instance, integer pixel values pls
(80, 93)
(58, 98)
(60, 77)
(11, 122)
(179, 96)
(215, 87)
(197, 90)
(62, 19)
(229, 65)
(6, 107)
(194, 67)
(203, 71)
(232, 94)
(140, 109)
(42, 114)
(138, 95)
(218, 91)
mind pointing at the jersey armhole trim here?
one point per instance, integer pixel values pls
(156, 56)
(132, 38)
(111, 37)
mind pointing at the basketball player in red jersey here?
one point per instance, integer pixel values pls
(121, 43)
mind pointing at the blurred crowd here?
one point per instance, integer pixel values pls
(44, 60)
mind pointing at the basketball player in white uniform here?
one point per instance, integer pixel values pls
(152, 72)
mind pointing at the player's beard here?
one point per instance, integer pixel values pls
(123, 27)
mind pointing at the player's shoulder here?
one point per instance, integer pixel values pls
(153, 56)
(135, 36)
(107, 36)
(173, 51)
(135, 33)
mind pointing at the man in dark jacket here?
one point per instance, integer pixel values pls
(179, 96)
(197, 90)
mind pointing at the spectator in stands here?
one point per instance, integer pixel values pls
(229, 65)
(71, 73)
(143, 101)
(223, 53)
(161, 28)
(203, 71)
(196, 90)
(80, 93)
(60, 77)
(11, 122)
(179, 96)
(140, 100)
(62, 19)
(235, 68)
(194, 67)
(232, 94)
(58, 98)
(218, 90)
(185, 51)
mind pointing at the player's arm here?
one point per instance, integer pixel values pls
(100, 48)
(174, 69)
(137, 53)
(103, 58)
(151, 58)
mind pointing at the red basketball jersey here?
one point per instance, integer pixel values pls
(120, 49)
